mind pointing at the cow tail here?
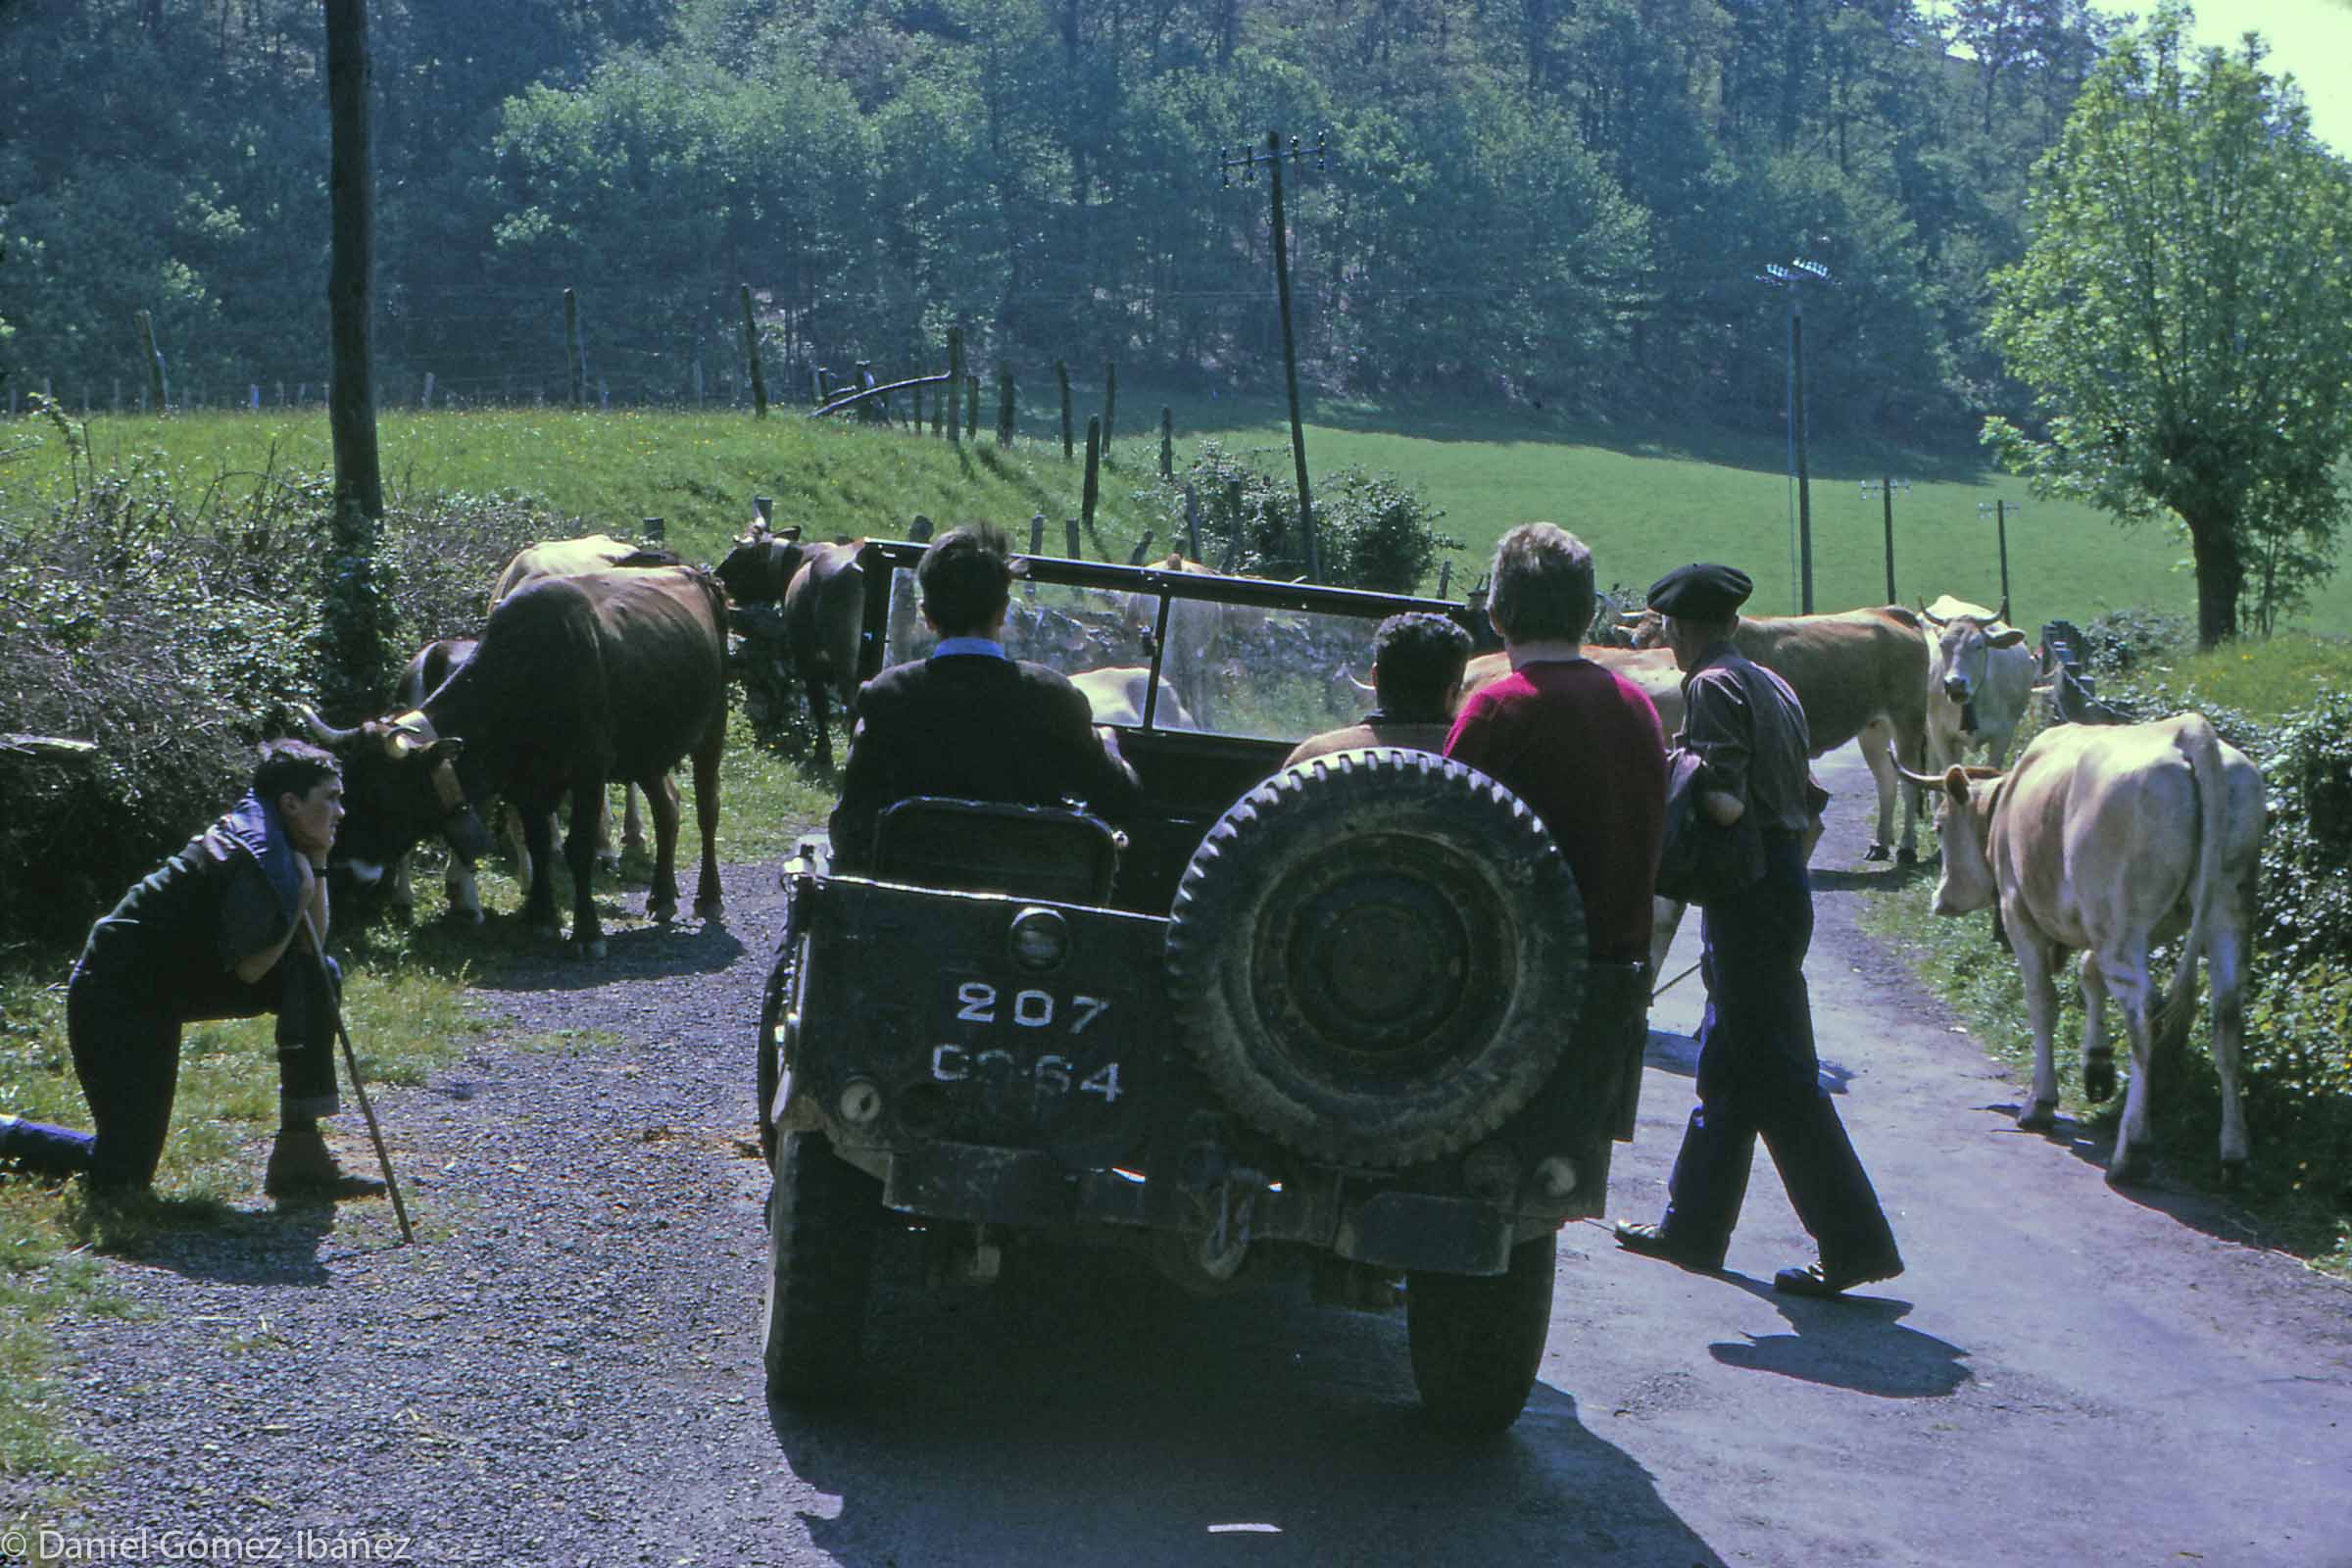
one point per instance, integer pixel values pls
(2204, 751)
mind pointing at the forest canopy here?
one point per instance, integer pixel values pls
(1534, 199)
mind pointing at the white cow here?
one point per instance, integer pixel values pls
(2107, 841)
(1980, 677)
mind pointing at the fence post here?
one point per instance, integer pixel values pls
(1110, 401)
(655, 529)
(698, 380)
(1094, 486)
(1036, 533)
(1003, 405)
(971, 403)
(751, 352)
(1444, 578)
(1062, 373)
(575, 367)
(1143, 547)
(1168, 442)
(954, 380)
(1070, 526)
(157, 387)
(919, 530)
(1191, 522)
(428, 389)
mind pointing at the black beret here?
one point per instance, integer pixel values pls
(1701, 591)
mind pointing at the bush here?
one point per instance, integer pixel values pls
(2121, 640)
(1374, 531)
(176, 635)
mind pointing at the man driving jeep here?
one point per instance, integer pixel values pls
(970, 721)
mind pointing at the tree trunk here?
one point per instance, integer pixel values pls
(2220, 577)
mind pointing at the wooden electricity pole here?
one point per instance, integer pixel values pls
(352, 614)
(1249, 161)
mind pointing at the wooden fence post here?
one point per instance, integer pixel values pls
(428, 389)
(1070, 526)
(1191, 522)
(954, 380)
(1036, 533)
(1094, 486)
(1444, 578)
(575, 367)
(1168, 442)
(971, 403)
(751, 352)
(159, 389)
(1143, 547)
(1110, 402)
(1004, 405)
(698, 380)
(1062, 373)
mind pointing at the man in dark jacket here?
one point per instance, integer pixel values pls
(1757, 1070)
(224, 929)
(970, 721)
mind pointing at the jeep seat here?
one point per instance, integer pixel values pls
(1030, 852)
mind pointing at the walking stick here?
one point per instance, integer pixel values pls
(1676, 980)
(351, 1060)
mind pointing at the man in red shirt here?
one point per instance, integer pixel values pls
(1575, 741)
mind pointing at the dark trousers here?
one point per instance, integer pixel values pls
(125, 1033)
(1758, 1077)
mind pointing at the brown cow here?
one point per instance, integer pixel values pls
(822, 590)
(577, 680)
(1858, 672)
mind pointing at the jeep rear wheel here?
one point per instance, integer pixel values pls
(1478, 1340)
(1377, 957)
(824, 1222)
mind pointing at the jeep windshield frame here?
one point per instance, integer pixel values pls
(892, 562)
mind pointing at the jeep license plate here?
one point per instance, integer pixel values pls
(1050, 1044)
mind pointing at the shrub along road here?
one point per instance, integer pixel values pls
(565, 1370)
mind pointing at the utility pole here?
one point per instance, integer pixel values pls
(1998, 510)
(1247, 162)
(1792, 278)
(1887, 486)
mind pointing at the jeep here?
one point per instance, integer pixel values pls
(1340, 1015)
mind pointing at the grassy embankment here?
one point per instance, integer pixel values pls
(1645, 502)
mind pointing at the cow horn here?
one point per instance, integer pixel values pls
(327, 733)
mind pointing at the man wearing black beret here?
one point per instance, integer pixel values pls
(1757, 1070)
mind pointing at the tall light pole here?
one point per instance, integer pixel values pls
(1247, 160)
(1887, 486)
(1792, 278)
(1998, 510)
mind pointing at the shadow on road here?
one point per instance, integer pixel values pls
(2167, 1191)
(631, 953)
(1851, 1344)
(1097, 1415)
(202, 1239)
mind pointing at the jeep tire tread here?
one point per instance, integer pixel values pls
(1377, 957)
(824, 1222)
(1478, 1339)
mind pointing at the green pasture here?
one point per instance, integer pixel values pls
(1645, 500)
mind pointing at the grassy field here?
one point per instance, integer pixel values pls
(1645, 501)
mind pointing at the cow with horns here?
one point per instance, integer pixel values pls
(821, 589)
(577, 680)
(2107, 841)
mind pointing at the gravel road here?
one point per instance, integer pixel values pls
(566, 1369)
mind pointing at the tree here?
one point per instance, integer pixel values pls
(2182, 316)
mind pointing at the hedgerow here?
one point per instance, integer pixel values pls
(175, 631)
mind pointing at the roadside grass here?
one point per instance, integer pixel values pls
(1647, 499)
(2294, 1186)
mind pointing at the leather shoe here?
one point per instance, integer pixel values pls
(1651, 1241)
(301, 1165)
(1821, 1280)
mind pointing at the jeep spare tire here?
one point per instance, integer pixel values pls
(1377, 955)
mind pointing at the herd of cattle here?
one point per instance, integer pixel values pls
(601, 661)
